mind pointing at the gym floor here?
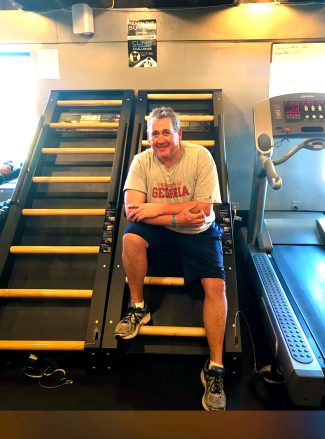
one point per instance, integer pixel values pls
(143, 381)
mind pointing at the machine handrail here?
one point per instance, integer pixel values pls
(274, 180)
(311, 144)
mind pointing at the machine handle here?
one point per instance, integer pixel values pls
(313, 144)
(273, 178)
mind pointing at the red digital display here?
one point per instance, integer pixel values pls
(304, 110)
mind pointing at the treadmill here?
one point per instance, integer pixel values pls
(285, 249)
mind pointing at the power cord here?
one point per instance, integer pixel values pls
(266, 371)
(280, 141)
(49, 375)
(46, 371)
(250, 335)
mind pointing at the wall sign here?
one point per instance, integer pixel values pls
(297, 68)
(142, 43)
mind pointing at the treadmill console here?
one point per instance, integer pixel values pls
(298, 114)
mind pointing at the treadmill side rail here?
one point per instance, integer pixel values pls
(299, 366)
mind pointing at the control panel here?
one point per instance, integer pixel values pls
(224, 218)
(298, 114)
(108, 231)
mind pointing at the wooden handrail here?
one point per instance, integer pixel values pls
(181, 96)
(52, 249)
(34, 293)
(74, 179)
(83, 125)
(78, 150)
(156, 280)
(62, 212)
(90, 103)
(198, 142)
(172, 331)
(42, 345)
(193, 118)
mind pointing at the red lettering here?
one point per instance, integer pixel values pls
(169, 191)
(185, 191)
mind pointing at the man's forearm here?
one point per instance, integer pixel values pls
(161, 220)
(189, 214)
(185, 218)
(175, 208)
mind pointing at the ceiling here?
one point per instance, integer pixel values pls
(48, 5)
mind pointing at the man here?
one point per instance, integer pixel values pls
(169, 194)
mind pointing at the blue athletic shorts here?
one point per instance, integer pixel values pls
(202, 254)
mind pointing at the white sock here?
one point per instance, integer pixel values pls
(213, 363)
(139, 304)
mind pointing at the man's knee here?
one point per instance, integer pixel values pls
(133, 241)
(214, 288)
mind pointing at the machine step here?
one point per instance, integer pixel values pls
(54, 249)
(42, 345)
(36, 293)
(78, 150)
(90, 103)
(73, 179)
(172, 331)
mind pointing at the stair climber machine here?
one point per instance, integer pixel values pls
(58, 242)
(285, 249)
(177, 326)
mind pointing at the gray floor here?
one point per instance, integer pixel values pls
(139, 382)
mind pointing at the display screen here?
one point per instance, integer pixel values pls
(304, 110)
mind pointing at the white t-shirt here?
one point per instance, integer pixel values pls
(193, 177)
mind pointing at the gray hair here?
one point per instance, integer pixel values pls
(162, 113)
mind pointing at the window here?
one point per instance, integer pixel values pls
(18, 117)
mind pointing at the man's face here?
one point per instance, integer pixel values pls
(164, 140)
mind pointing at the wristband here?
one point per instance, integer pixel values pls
(173, 220)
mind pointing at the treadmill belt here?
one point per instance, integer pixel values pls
(303, 269)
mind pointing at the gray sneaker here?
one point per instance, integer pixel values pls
(129, 326)
(214, 397)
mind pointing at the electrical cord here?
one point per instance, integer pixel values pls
(250, 335)
(280, 141)
(61, 380)
(46, 372)
(265, 370)
(49, 375)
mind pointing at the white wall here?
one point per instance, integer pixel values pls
(226, 48)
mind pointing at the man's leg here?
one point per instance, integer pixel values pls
(135, 264)
(214, 315)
